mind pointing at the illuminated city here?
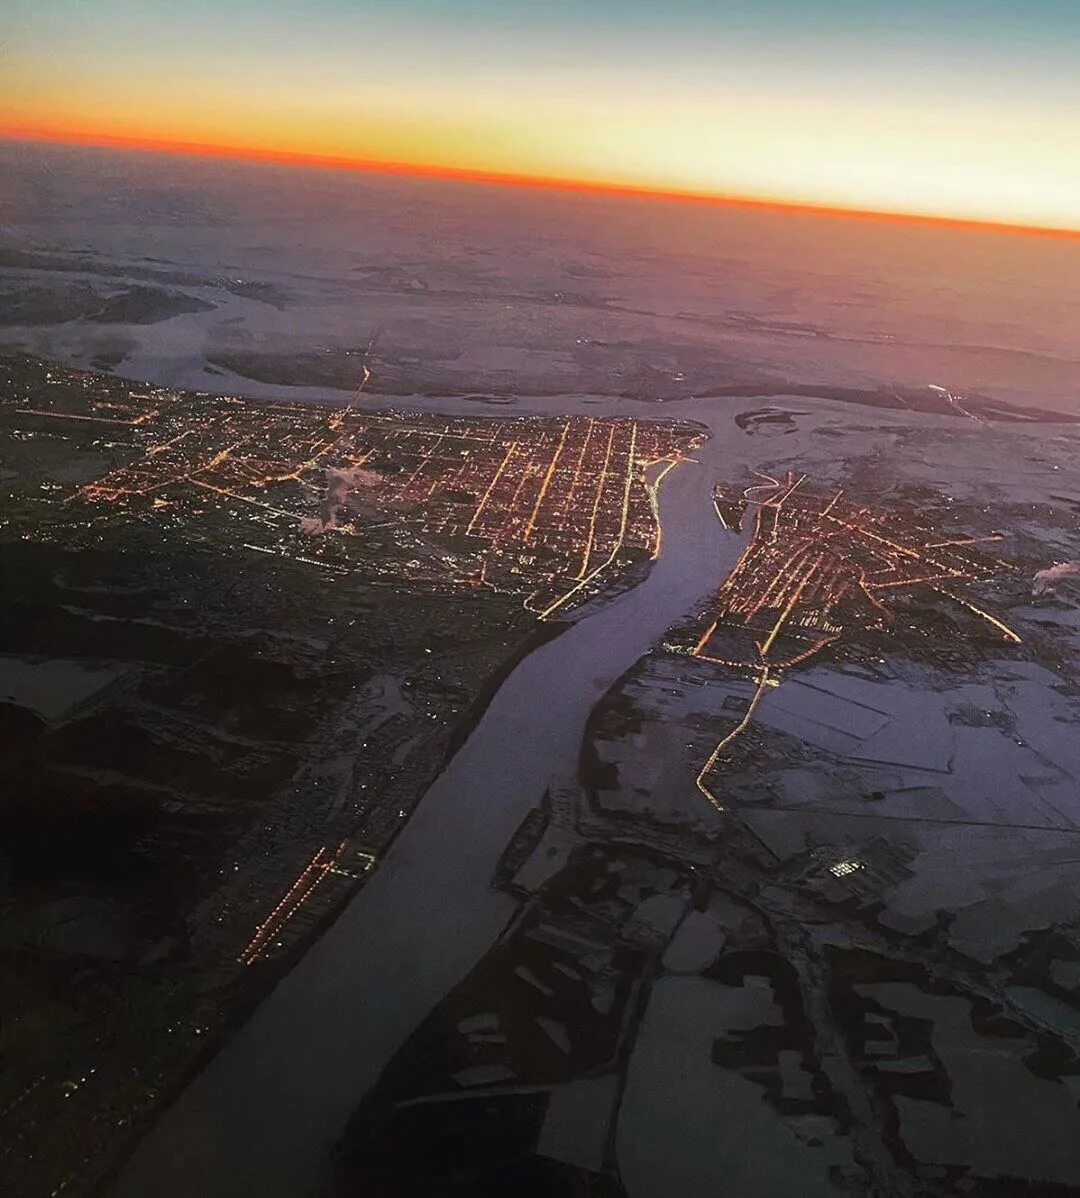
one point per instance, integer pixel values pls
(209, 575)
(531, 507)
(515, 681)
(814, 567)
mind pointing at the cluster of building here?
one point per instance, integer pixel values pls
(535, 507)
(819, 563)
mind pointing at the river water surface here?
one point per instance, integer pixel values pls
(263, 1117)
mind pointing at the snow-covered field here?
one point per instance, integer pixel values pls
(501, 289)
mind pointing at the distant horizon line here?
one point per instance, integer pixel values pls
(34, 135)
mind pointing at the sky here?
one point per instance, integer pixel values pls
(967, 109)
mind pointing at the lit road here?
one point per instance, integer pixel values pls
(263, 1117)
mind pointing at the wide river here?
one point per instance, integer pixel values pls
(263, 1117)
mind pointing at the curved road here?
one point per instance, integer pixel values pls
(263, 1117)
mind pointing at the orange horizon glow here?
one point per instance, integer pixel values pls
(419, 169)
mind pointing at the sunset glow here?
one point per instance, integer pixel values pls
(922, 114)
